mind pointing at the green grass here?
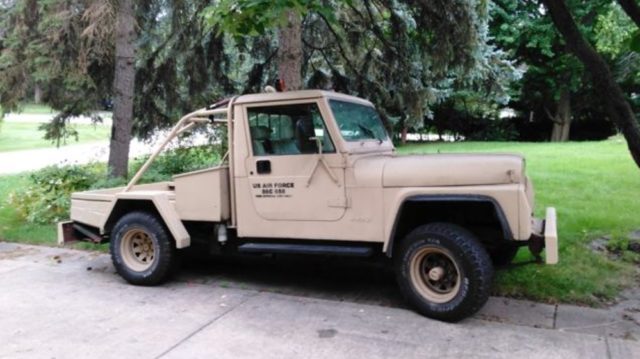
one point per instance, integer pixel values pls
(15, 229)
(20, 136)
(36, 109)
(32, 108)
(593, 185)
(11, 226)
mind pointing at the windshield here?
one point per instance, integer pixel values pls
(358, 122)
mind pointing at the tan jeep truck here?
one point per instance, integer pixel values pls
(315, 172)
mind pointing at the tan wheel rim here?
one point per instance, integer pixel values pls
(435, 275)
(137, 249)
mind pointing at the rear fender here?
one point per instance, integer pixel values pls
(127, 201)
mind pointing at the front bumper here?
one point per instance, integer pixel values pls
(550, 237)
(545, 235)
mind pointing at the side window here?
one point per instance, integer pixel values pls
(288, 130)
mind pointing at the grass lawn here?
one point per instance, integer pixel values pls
(36, 109)
(593, 185)
(13, 228)
(21, 136)
(33, 108)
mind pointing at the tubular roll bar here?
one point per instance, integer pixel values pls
(186, 123)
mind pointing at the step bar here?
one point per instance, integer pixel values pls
(317, 249)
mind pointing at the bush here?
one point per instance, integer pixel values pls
(178, 160)
(46, 199)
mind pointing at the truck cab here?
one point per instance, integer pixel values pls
(315, 173)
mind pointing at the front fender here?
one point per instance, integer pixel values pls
(502, 198)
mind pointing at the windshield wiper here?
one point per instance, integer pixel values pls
(370, 133)
(367, 131)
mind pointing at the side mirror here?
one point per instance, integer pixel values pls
(318, 143)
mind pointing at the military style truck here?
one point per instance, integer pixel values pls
(314, 172)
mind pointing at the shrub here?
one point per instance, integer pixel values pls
(46, 198)
(178, 160)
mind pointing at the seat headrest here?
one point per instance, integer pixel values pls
(260, 133)
(287, 131)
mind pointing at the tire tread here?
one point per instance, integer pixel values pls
(470, 249)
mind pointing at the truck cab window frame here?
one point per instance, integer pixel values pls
(285, 130)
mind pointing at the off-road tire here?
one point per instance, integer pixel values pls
(163, 260)
(450, 244)
(503, 255)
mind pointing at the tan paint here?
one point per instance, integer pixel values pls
(452, 170)
(551, 237)
(203, 195)
(163, 201)
(504, 195)
(353, 194)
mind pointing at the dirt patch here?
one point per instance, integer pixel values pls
(16, 252)
(626, 247)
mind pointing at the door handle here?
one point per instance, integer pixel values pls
(263, 166)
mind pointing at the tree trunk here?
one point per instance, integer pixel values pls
(632, 9)
(403, 135)
(123, 88)
(290, 52)
(562, 119)
(617, 105)
(37, 94)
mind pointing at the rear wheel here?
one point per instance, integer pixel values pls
(444, 271)
(142, 250)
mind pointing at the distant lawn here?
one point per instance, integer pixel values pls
(594, 185)
(32, 108)
(20, 136)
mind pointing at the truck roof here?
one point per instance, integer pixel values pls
(298, 95)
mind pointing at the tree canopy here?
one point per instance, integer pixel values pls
(450, 65)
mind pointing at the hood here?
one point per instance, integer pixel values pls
(443, 170)
(452, 170)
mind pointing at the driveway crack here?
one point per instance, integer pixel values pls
(205, 325)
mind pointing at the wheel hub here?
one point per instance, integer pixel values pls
(138, 250)
(436, 273)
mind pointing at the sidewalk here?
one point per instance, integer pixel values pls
(66, 304)
(12, 162)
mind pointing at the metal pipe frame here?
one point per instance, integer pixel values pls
(186, 123)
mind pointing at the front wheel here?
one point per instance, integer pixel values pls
(444, 271)
(142, 250)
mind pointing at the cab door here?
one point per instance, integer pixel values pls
(294, 171)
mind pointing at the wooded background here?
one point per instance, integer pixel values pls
(567, 70)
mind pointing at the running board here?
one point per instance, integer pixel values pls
(323, 249)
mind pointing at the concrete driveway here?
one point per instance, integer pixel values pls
(61, 303)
